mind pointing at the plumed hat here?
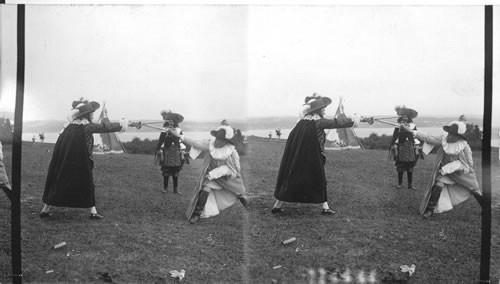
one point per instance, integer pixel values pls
(82, 107)
(456, 127)
(402, 110)
(169, 115)
(224, 134)
(315, 102)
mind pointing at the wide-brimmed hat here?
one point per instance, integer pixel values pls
(169, 115)
(224, 134)
(410, 113)
(315, 102)
(83, 107)
(457, 128)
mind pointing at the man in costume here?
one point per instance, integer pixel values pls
(453, 178)
(220, 184)
(169, 151)
(70, 182)
(403, 147)
(301, 176)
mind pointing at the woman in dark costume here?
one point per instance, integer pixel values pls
(404, 147)
(70, 182)
(301, 176)
(169, 151)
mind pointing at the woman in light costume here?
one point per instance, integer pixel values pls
(453, 178)
(220, 184)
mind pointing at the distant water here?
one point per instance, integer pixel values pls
(51, 137)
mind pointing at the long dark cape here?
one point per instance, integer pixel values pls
(301, 176)
(69, 180)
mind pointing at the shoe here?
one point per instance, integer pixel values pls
(276, 210)
(399, 186)
(411, 187)
(327, 212)
(194, 219)
(164, 190)
(244, 201)
(96, 216)
(479, 197)
(427, 214)
(176, 191)
(45, 215)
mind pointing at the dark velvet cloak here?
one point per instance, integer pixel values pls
(301, 176)
(69, 180)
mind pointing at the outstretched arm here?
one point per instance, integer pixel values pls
(197, 144)
(103, 127)
(429, 139)
(325, 123)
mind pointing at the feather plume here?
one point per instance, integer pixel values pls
(398, 108)
(308, 99)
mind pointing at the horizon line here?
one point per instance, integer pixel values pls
(257, 117)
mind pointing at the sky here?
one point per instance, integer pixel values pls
(210, 62)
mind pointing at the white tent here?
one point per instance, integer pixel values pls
(107, 143)
(342, 138)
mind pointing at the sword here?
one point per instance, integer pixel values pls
(151, 126)
(386, 122)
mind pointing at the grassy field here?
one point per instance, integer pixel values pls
(145, 235)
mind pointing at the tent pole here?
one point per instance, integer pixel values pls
(17, 273)
(484, 276)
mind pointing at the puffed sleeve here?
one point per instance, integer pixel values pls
(325, 123)
(103, 127)
(395, 135)
(163, 134)
(429, 139)
(468, 155)
(236, 159)
(196, 144)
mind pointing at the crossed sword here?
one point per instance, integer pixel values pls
(139, 124)
(370, 120)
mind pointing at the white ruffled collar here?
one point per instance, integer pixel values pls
(453, 148)
(313, 116)
(80, 121)
(220, 153)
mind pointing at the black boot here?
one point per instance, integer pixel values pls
(244, 200)
(479, 197)
(410, 179)
(165, 184)
(400, 178)
(433, 200)
(200, 205)
(176, 183)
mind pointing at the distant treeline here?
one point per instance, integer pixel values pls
(146, 146)
(473, 134)
(6, 129)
